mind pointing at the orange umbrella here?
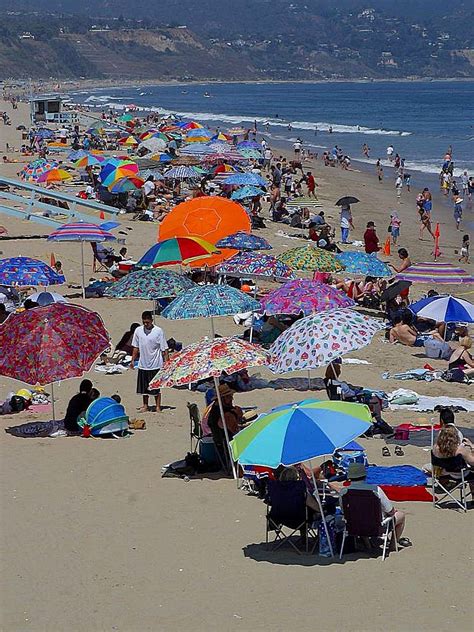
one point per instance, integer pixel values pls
(209, 217)
(55, 175)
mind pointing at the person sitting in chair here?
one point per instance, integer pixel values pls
(233, 417)
(453, 455)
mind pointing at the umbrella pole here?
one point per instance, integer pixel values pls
(318, 500)
(52, 401)
(212, 329)
(226, 432)
(253, 313)
(82, 271)
(309, 379)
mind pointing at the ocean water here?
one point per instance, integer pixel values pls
(420, 119)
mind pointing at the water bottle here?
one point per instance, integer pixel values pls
(324, 548)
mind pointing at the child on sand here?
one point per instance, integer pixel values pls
(395, 222)
(464, 258)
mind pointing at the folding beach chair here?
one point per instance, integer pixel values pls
(287, 514)
(450, 476)
(363, 518)
(98, 264)
(195, 430)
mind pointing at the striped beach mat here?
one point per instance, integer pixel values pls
(435, 272)
(301, 202)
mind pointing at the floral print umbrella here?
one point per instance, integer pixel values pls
(255, 265)
(310, 258)
(46, 344)
(363, 263)
(244, 241)
(209, 358)
(319, 339)
(151, 284)
(305, 296)
(210, 300)
(27, 271)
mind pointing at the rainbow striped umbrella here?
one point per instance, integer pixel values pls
(435, 272)
(55, 175)
(81, 231)
(88, 160)
(33, 170)
(115, 168)
(126, 184)
(177, 250)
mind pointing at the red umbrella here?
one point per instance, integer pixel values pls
(47, 344)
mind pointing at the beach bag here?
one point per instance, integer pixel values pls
(437, 349)
(403, 396)
(454, 375)
(343, 458)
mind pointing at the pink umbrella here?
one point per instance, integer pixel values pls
(304, 296)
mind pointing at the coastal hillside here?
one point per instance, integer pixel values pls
(248, 39)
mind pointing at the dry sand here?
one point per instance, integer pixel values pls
(94, 539)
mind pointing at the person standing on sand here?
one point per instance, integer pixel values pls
(398, 188)
(371, 241)
(395, 222)
(346, 223)
(311, 184)
(150, 347)
(390, 153)
(458, 211)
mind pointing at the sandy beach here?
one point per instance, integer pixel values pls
(94, 539)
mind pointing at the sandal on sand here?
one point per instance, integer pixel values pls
(386, 451)
(137, 424)
(404, 542)
(399, 451)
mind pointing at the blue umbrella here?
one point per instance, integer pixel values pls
(209, 301)
(43, 132)
(47, 298)
(363, 263)
(27, 271)
(444, 309)
(240, 179)
(182, 173)
(244, 241)
(246, 192)
(248, 144)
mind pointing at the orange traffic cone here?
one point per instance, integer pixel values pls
(102, 215)
(53, 260)
(386, 248)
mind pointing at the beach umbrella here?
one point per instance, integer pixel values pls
(81, 231)
(255, 265)
(363, 263)
(154, 145)
(190, 125)
(244, 241)
(33, 170)
(177, 250)
(435, 273)
(394, 289)
(126, 118)
(208, 301)
(248, 144)
(47, 298)
(128, 140)
(305, 296)
(299, 432)
(157, 175)
(347, 200)
(161, 157)
(250, 153)
(44, 133)
(89, 160)
(54, 175)
(319, 339)
(181, 173)
(209, 217)
(200, 135)
(47, 344)
(115, 168)
(151, 284)
(27, 271)
(304, 202)
(310, 258)
(241, 179)
(221, 136)
(229, 156)
(246, 192)
(130, 183)
(444, 309)
(195, 149)
(210, 358)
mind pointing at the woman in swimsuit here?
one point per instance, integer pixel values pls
(461, 358)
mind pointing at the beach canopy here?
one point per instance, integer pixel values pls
(435, 272)
(209, 217)
(444, 309)
(364, 264)
(246, 178)
(304, 296)
(105, 416)
(244, 241)
(310, 258)
(177, 250)
(47, 344)
(319, 339)
(208, 301)
(300, 431)
(28, 271)
(255, 265)
(151, 284)
(209, 358)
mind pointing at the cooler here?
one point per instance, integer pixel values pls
(207, 451)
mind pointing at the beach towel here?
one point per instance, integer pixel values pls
(425, 403)
(400, 493)
(422, 439)
(403, 475)
(35, 429)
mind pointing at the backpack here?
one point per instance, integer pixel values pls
(454, 375)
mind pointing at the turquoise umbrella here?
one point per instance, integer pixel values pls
(363, 263)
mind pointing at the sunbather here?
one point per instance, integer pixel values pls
(403, 331)
(456, 455)
(461, 358)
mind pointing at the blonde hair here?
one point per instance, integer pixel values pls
(448, 441)
(465, 342)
